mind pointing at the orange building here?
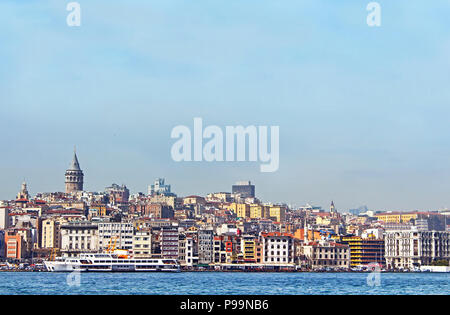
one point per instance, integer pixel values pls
(14, 245)
(312, 235)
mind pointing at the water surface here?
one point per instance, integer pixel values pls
(217, 283)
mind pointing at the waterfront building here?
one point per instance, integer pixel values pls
(411, 249)
(187, 251)
(249, 244)
(364, 251)
(118, 234)
(205, 245)
(142, 243)
(78, 237)
(326, 254)
(226, 248)
(277, 247)
(169, 242)
(74, 177)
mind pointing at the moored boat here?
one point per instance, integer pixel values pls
(105, 262)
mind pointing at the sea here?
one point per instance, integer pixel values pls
(224, 283)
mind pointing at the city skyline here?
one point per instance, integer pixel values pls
(77, 184)
(362, 111)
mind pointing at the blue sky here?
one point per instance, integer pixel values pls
(363, 112)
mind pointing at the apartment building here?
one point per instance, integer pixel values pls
(51, 233)
(142, 243)
(205, 246)
(14, 245)
(169, 242)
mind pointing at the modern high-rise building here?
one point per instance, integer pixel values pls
(244, 189)
(159, 188)
(74, 176)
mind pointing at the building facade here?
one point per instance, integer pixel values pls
(278, 248)
(412, 249)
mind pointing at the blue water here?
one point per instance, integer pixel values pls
(198, 283)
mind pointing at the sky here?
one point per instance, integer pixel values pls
(363, 111)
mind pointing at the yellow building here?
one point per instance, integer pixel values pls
(258, 211)
(50, 235)
(396, 217)
(278, 213)
(142, 243)
(248, 249)
(242, 210)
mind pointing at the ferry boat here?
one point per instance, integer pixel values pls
(105, 262)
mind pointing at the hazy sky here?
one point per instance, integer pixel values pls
(364, 112)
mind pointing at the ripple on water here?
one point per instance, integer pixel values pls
(198, 283)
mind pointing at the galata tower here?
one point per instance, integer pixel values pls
(74, 176)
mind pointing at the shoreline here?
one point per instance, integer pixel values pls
(222, 271)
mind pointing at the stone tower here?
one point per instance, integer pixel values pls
(23, 194)
(74, 176)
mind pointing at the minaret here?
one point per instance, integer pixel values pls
(74, 176)
(305, 232)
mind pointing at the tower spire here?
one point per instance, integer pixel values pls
(75, 166)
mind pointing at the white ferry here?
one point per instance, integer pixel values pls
(103, 262)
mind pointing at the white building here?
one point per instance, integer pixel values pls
(119, 234)
(4, 218)
(278, 248)
(78, 237)
(187, 251)
(142, 243)
(411, 249)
